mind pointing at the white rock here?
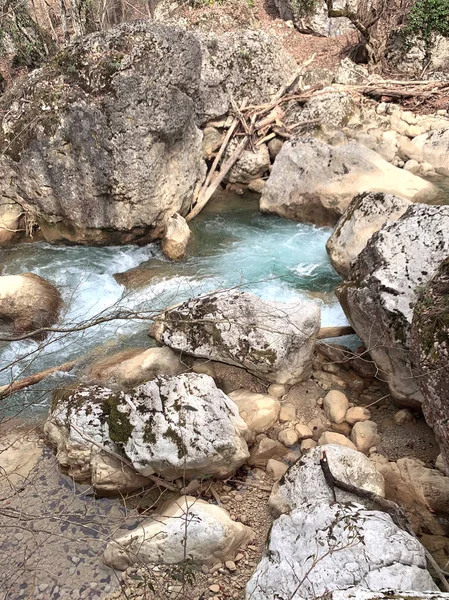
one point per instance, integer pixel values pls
(319, 548)
(335, 405)
(356, 414)
(330, 437)
(188, 526)
(277, 390)
(174, 426)
(259, 411)
(364, 435)
(272, 340)
(305, 483)
(412, 166)
(307, 445)
(276, 469)
(431, 148)
(361, 593)
(287, 413)
(366, 214)
(384, 282)
(176, 237)
(264, 449)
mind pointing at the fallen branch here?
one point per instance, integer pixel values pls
(21, 384)
(332, 332)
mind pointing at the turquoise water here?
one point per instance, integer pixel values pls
(232, 245)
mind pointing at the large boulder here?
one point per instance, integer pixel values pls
(367, 213)
(430, 346)
(27, 303)
(180, 426)
(314, 182)
(312, 17)
(273, 340)
(11, 215)
(104, 145)
(383, 288)
(185, 527)
(176, 237)
(305, 479)
(318, 548)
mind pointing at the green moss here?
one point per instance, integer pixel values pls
(174, 437)
(120, 428)
(267, 356)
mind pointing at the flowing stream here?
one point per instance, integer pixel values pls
(232, 244)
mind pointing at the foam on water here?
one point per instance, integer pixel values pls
(275, 258)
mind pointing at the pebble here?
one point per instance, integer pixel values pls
(214, 588)
(230, 565)
(215, 568)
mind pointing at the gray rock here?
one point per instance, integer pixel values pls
(319, 548)
(385, 280)
(304, 482)
(272, 340)
(366, 214)
(173, 426)
(312, 17)
(314, 182)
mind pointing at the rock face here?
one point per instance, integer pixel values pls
(27, 303)
(366, 214)
(112, 145)
(432, 148)
(385, 281)
(312, 17)
(314, 182)
(133, 366)
(271, 340)
(173, 426)
(176, 237)
(321, 546)
(430, 346)
(305, 480)
(185, 527)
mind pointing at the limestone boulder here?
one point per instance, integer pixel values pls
(431, 486)
(173, 426)
(176, 237)
(27, 303)
(187, 526)
(132, 366)
(366, 214)
(331, 109)
(250, 166)
(317, 548)
(385, 281)
(259, 411)
(270, 339)
(430, 347)
(313, 182)
(11, 215)
(313, 17)
(304, 481)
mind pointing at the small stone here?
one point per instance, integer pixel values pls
(412, 166)
(276, 469)
(307, 445)
(43, 587)
(335, 405)
(356, 414)
(413, 131)
(288, 437)
(230, 565)
(239, 557)
(277, 390)
(364, 435)
(403, 417)
(303, 431)
(287, 413)
(256, 185)
(343, 428)
(215, 568)
(214, 588)
(329, 437)
(238, 498)
(205, 569)
(192, 487)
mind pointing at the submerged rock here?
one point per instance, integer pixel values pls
(27, 303)
(313, 182)
(272, 340)
(180, 426)
(383, 288)
(185, 527)
(430, 347)
(366, 214)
